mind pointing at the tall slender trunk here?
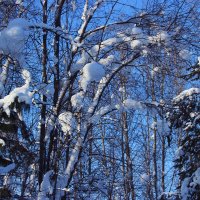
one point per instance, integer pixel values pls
(56, 47)
(155, 161)
(149, 194)
(44, 98)
(90, 160)
(128, 172)
(123, 165)
(129, 168)
(155, 175)
(78, 170)
(163, 164)
(163, 137)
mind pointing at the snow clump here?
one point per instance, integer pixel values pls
(91, 72)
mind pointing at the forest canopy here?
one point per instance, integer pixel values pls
(100, 99)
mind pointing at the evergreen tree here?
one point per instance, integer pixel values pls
(185, 115)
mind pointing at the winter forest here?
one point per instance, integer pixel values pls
(99, 99)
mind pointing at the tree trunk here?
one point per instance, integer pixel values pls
(44, 98)
(153, 94)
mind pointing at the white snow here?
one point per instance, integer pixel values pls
(155, 70)
(63, 179)
(81, 62)
(2, 143)
(159, 38)
(132, 104)
(199, 60)
(186, 93)
(18, 2)
(136, 40)
(121, 89)
(74, 156)
(105, 45)
(77, 100)
(102, 111)
(107, 61)
(193, 114)
(91, 11)
(22, 93)
(109, 42)
(135, 43)
(87, 13)
(66, 121)
(145, 52)
(46, 187)
(163, 36)
(84, 15)
(179, 152)
(154, 125)
(3, 75)
(26, 76)
(91, 72)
